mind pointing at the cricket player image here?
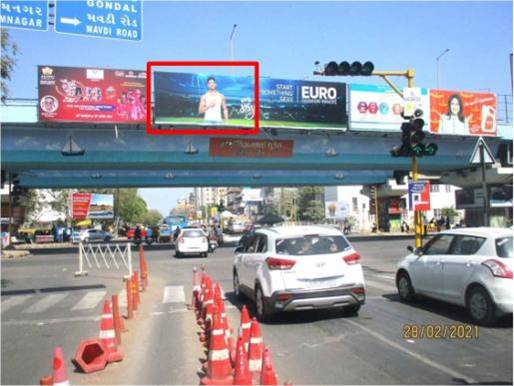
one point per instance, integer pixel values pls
(212, 103)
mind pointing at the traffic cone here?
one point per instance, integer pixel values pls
(146, 271)
(196, 290)
(219, 369)
(268, 376)
(116, 318)
(255, 350)
(135, 291)
(130, 302)
(46, 380)
(208, 299)
(136, 281)
(108, 335)
(212, 309)
(60, 377)
(245, 326)
(242, 374)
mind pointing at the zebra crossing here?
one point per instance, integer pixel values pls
(74, 302)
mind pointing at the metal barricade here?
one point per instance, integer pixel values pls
(104, 256)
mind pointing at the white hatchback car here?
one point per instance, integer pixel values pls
(293, 268)
(470, 267)
(191, 241)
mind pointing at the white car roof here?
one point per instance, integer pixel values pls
(300, 230)
(481, 232)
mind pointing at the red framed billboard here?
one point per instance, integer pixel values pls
(150, 126)
(91, 95)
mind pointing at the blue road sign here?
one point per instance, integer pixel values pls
(102, 19)
(31, 15)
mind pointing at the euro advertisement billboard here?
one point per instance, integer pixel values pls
(462, 113)
(91, 95)
(204, 99)
(378, 108)
(92, 206)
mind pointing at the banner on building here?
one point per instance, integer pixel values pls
(379, 108)
(204, 99)
(419, 195)
(92, 206)
(462, 113)
(91, 95)
(473, 198)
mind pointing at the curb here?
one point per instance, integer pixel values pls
(13, 254)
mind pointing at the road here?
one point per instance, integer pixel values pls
(43, 305)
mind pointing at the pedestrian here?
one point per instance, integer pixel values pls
(447, 224)
(425, 224)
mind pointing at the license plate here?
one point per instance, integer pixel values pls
(321, 283)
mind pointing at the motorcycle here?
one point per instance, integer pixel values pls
(213, 244)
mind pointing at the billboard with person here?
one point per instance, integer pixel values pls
(70, 94)
(204, 99)
(462, 113)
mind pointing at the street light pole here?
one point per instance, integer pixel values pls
(231, 41)
(437, 65)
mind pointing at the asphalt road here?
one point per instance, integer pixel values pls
(43, 305)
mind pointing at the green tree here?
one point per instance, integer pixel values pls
(131, 206)
(310, 204)
(449, 212)
(151, 217)
(8, 61)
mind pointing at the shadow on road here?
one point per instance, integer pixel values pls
(447, 310)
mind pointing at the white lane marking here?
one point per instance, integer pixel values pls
(14, 301)
(380, 286)
(48, 321)
(122, 298)
(385, 277)
(419, 357)
(45, 303)
(90, 300)
(173, 294)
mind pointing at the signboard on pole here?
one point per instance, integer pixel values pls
(69, 94)
(29, 14)
(102, 19)
(419, 195)
(488, 154)
(92, 206)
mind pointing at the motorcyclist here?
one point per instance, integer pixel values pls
(137, 234)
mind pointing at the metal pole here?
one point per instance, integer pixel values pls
(506, 109)
(484, 186)
(377, 219)
(129, 255)
(232, 45)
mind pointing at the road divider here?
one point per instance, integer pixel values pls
(104, 256)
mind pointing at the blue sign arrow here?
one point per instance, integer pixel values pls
(103, 19)
(31, 15)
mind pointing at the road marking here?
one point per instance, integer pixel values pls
(173, 294)
(380, 286)
(413, 354)
(90, 300)
(49, 321)
(45, 303)
(385, 277)
(14, 301)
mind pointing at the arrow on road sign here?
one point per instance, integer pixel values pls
(488, 155)
(69, 20)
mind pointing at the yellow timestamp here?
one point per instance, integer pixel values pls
(440, 331)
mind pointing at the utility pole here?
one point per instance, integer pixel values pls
(484, 185)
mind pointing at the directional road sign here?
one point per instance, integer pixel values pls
(103, 19)
(488, 155)
(31, 15)
(419, 195)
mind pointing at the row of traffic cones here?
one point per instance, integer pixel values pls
(248, 362)
(94, 354)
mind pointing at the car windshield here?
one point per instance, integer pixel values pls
(311, 245)
(504, 247)
(193, 233)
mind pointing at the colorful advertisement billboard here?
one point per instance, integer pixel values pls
(462, 113)
(92, 206)
(69, 94)
(419, 195)
(337, 210)
(202, 99)
(379, 108)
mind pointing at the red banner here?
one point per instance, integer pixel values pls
(68, 94)
(80, 205)
(259, 148)
(462, 113)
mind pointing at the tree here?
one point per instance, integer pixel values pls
(8, 61)
(310, 204)
(151, 217)
(131, 206)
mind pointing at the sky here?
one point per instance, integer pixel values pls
(287, 37)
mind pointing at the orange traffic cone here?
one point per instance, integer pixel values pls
(255, 350)
(242, 374)
(208, 299)
(245, 326)
(219, 369)
(46, 380)
(108, 335)
(196, 290)
(59, 371)
(268, 376)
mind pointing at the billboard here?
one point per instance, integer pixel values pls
(69, 94)
(419, 195)
(92, 206)
(337, 210)
(379, 108)
(202, 99)
(257, 148)
(462, 113)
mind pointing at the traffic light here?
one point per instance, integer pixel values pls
(347, 69)
(413, 138)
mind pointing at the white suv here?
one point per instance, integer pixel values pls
(298, 268)
(470, 267)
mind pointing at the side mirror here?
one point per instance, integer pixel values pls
(410, 249)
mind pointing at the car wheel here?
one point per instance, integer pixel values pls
(178, 254)
(204, 254)
(480, 306)
(236, 286)
(404, 286)
(351, 310)
(263, 313)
